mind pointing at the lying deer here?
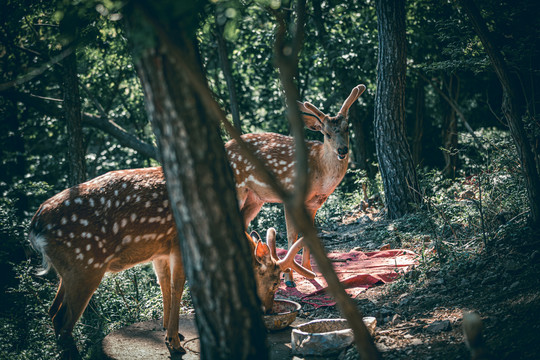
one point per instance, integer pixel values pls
(327, 163)
(114, 222)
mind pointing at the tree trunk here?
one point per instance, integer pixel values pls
(513, 109)
(227, 73)
(418, 135)
(359, 142)
(450, 132)
(72, 114)
(216, 253)
(395, 160)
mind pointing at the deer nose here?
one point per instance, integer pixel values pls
(343, 150)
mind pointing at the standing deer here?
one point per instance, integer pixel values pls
(114, 222)
(327, 164)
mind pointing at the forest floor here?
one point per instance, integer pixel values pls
(420, 316)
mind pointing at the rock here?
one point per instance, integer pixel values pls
(438, 326)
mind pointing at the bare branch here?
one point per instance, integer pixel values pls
(36, 72)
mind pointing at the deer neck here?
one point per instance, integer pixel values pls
(325, 161)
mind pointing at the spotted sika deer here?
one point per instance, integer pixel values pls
(327, 164)
(112, 223)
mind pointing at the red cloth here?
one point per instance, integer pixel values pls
(356, 270)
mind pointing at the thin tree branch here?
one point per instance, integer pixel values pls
(38, 71)
(102, 123)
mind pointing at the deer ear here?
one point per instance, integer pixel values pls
(311, 116)
(262, 253)
(255, 236)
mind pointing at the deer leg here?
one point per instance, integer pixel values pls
(250, 208)
(292, 237)
(74, 297)
(178, 280)
(306, 259)
(57, 300)
(163, 273)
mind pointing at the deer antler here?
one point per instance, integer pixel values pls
(271, 242)
(355, 93)
(288, 261)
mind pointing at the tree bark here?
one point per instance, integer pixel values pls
(215, 251)
(513, 109)
(418, 135)
(395, 159)
(72, 114)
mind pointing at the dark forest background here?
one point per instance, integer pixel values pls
(468, 131)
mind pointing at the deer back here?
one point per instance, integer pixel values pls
(112, 222)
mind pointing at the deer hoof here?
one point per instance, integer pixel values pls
(175, 348)
(290, 283)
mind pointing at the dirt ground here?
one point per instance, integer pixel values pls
(420, 316)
